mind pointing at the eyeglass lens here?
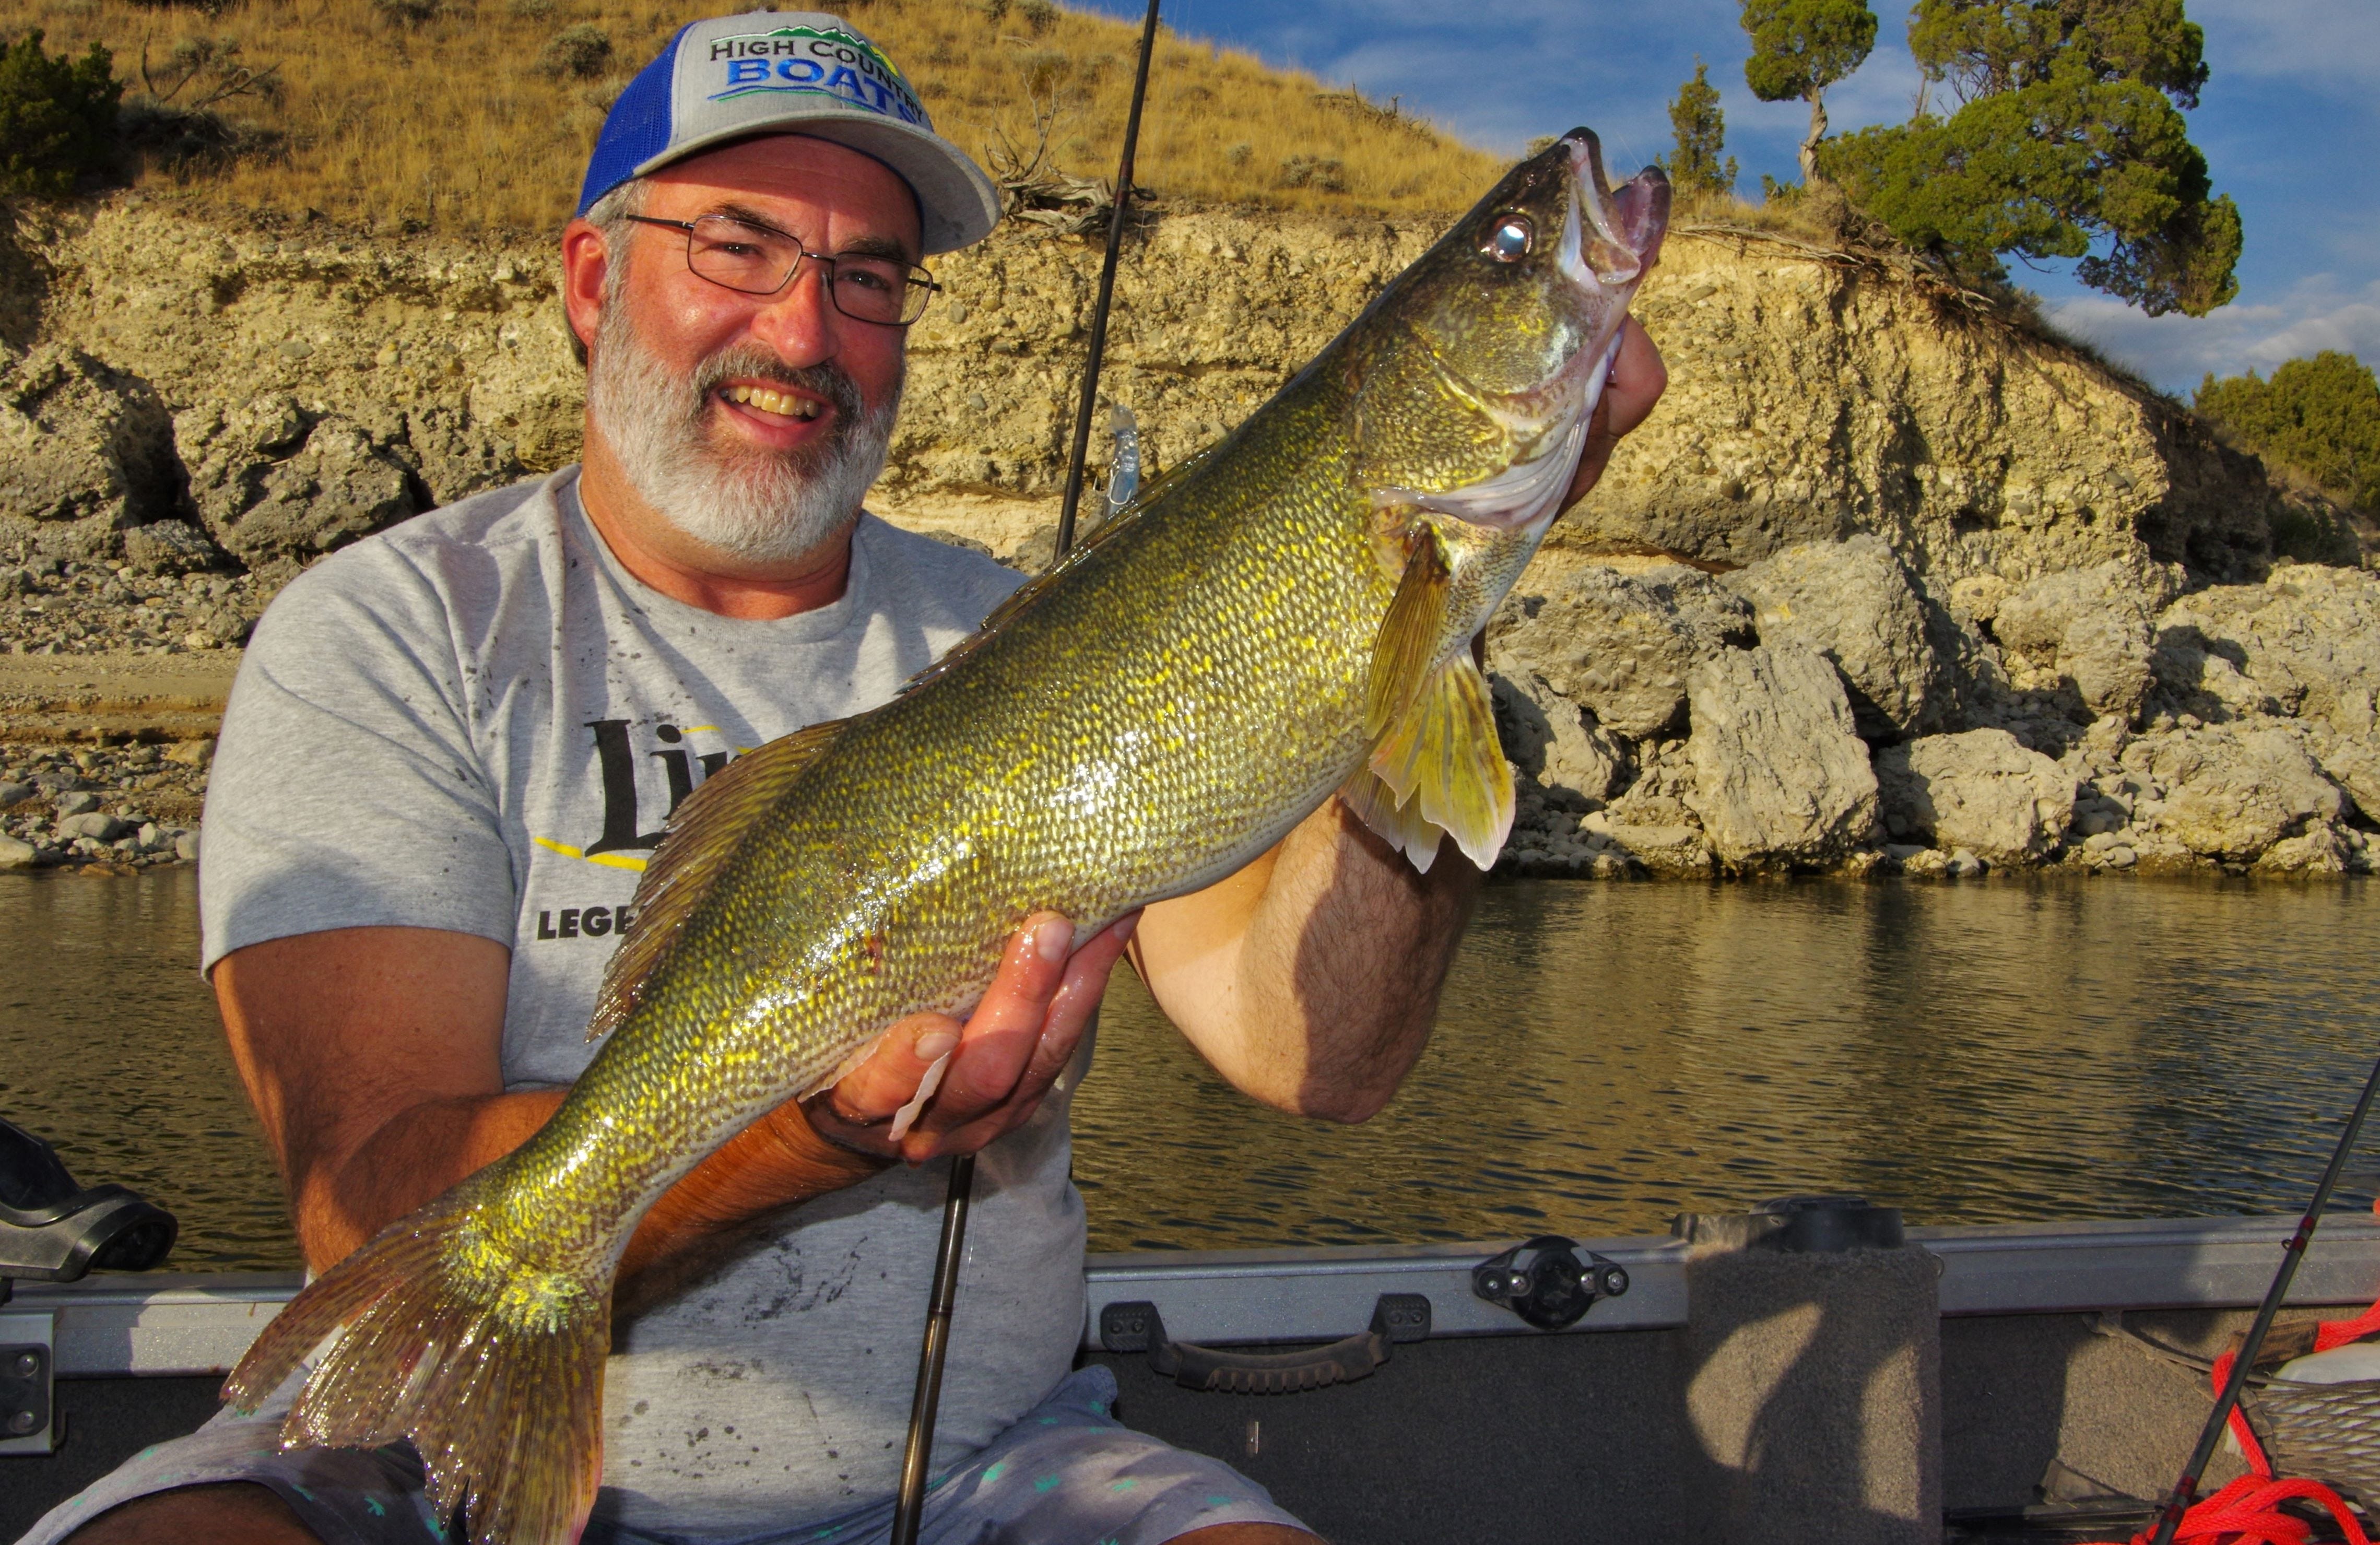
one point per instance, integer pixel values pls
(748, 258)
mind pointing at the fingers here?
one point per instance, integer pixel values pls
(1637, 380)
(999, 1036)
(879, 1086)
(1003, 1058)
(1084, 984)
(1003, 1090)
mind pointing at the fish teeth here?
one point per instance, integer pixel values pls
(782, 403)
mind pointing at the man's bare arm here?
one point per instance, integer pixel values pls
(1310, 977)
(373, 1058)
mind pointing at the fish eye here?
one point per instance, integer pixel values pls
(1511, 239)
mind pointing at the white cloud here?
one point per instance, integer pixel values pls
(1882, 90)
(1508, 100)
(2318, 312)
(2334, 42)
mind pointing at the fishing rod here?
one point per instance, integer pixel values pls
(1081, 451)
(908, 1507)
(2185, 1490)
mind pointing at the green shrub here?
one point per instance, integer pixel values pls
(57, 118)
(2320, 417)
(2066, 140)
(581, 50)
(1313, 171)
(1694, 167)
(409, 13)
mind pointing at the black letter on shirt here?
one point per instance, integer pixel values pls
(681, 777)
(619, 770)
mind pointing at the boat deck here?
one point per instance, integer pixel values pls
(1627, 1424)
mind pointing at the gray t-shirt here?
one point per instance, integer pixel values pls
(478, 720)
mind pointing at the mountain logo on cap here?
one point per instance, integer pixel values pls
(817, 61)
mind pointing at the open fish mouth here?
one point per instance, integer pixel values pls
(1619, 227)
(1611, 237)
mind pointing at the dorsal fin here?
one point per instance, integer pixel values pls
(702, 834)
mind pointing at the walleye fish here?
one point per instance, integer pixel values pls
(1283, 616)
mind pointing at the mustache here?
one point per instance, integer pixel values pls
(825, 378)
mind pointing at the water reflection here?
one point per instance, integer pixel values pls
(1608, 1055)
(109, 1048)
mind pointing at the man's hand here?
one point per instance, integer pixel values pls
(372, 1055)
(1638, 378)
(1003, 1058)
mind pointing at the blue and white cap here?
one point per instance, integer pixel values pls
(790, 72)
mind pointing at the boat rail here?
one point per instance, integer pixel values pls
(199, 1323)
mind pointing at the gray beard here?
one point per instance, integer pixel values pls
(760, 507)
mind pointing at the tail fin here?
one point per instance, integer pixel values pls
(494, 1367)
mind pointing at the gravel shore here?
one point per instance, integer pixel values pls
(100, 765)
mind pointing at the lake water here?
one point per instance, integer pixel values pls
(1607, 1055)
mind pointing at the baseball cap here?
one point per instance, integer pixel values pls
(792, 72)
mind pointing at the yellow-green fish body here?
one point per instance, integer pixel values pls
(1287, 615)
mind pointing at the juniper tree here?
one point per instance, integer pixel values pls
(1695, 166)
(2067, 141)
(2320, 416)
(57, 117)
(1800, 48)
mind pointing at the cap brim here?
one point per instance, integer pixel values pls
(958, 204)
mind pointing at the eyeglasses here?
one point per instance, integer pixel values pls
(755, 260)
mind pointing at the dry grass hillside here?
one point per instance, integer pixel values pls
(471, 115)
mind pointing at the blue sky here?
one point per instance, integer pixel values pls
(2290, 121)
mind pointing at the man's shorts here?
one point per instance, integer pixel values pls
(1066, 1474)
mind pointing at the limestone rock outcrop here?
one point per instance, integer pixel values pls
(2224, 793)
(1618, 645)
(170, 547)
(1853, 603)
(2086, 629)
(1809, 400)
(1980, 791)
(85, 452)
(1781, 776)
(273, 482)
(2240, 731)
(2307, 641)
(1868, 534)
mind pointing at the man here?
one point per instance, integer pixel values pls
(449, 747)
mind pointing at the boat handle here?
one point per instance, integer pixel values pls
(1137, 1326)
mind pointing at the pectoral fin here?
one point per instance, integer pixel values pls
(1400, 826)
(1442, 761)
(1411, 635)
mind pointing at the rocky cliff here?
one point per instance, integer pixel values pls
(1888, 580)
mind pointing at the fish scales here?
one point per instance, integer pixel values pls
(1285, 617)
(1077, 765)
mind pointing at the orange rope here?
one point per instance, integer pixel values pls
(2248, 1510)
